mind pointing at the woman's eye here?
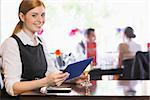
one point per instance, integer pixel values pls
(43, 15)
(33, 15)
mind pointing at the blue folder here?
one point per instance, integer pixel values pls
(77, 68)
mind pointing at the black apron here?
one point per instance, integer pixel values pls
(33, 60)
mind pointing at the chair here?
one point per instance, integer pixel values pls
(141, 66)
(97, 73)
(127, 64)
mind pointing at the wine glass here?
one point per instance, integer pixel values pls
(87, 82)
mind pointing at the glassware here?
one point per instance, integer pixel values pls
(87, 82)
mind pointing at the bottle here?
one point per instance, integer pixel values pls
(59, 59)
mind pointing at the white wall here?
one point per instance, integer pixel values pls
(9, 17)
(113, 14)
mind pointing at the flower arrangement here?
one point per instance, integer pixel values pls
(58, 52)
(74, 31)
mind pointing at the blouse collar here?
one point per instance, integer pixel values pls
(26, 39)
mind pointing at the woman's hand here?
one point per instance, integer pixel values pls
(56, 78)
(79, 80)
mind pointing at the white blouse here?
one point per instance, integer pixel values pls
(133, 47)
(11, 61)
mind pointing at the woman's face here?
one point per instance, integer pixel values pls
(33, 20)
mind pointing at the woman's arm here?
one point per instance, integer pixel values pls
(12, 66)
(120, 56)
(20, 87)
(55, 78)
(120, 60)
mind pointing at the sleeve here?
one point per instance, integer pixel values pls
(50, 61)
(12, 65)
(79, 55)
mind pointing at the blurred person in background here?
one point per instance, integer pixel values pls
(127, 51)
(87, 47)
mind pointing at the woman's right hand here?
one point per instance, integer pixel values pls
(56, 78)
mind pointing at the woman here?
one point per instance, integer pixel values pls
(26, 62)
(127, 51)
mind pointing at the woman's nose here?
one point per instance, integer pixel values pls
(40, 19)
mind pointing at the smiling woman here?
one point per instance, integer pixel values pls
(30, 20)
(26, 62)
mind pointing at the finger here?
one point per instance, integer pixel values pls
(62, 75)
(60, 81)
(58, 84)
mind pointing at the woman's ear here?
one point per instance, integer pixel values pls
(21, 16)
